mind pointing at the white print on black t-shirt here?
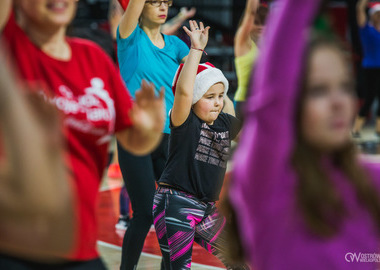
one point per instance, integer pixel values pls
(84, 111)
(213, 147)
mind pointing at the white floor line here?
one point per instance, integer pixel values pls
(105, 244)
(110, 187)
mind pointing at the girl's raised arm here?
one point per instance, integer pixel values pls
(185, 85)
(361, 17)
(5, 9)
(242, 42)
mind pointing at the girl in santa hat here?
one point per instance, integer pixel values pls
(184, 208)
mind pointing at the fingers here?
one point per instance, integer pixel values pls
(146, 94)
(206, 30)
(187, 31)
(162, 93)
(201, 26)
(150, 91)
(147, 88)
(194, 27)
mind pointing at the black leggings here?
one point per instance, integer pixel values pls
(372, 90)
(11, 263)
(139, 174)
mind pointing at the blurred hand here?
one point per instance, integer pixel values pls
(148, 112)
(187, 13)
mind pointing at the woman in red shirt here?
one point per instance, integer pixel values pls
(81, 80)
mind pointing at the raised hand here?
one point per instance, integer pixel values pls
(148, 113)
(187, 13)
(198, 35)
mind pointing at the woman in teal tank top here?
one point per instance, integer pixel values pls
(144, 53)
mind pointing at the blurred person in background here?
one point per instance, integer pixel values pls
(168, 28)
(246, 47)
(369, 29)
(299, 190)
(82, 81)
(35, 199)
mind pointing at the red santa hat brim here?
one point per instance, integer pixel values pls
(207, 76)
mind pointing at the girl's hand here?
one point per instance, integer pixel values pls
(198, 35)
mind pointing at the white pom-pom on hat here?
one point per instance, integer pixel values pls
(375, 8)
(207, 76)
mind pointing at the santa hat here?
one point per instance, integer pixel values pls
(207, 76)
(375, 7)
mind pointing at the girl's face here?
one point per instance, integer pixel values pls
(257, 31)
(155, 15)
(46, 13)
(211, 104)
(329, 102)
(258, 26)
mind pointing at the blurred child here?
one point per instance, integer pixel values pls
(302, 198)
(35, 194)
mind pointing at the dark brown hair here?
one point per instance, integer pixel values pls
(261, 14)
(320, 202)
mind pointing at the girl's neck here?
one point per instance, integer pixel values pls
(51, 41)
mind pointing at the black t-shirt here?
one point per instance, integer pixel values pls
(198, 155)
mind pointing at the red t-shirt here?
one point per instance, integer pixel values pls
(95, 103)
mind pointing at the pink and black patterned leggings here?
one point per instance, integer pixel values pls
(179, 220)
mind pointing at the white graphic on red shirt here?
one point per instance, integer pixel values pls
(92, 113)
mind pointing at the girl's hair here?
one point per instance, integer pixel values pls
(261, 14)
(320, 202)
(260, 17)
